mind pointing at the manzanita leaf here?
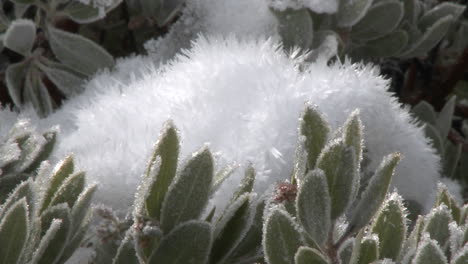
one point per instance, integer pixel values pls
(82, 13)
(295, 27)
(24, 2)
(281, 238)
(437, 141)
(306, 255)
(381, 19)
(452, 154)
(66, 81)
(415, 236)
(375, 192)
(36, 93)
(70, 190)
(231, 228)
(390, 227)
(315, 129)
(50, 140)
(77, 52)
(346, 250)
(437, 224)
(444, 197)
(338, 162)
(20, 36)
(23, 190)
(246, 185)
(81, 207)
(313, 205)
(461, 257)
(411, 11)
(167, 148)
(188, 194)
(15, 75)
(387, 46)
(189, 242)
(429, 252)
(439, 11)
(444, 118)
(425, 112)
(369, 250)
(250, 246)
(166, 11)
(351, 11)
(14, 228)
(126, 252)
(46, 240)
(429, 39)
(61, 171)
(57, 243)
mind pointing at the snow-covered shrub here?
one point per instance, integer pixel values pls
(244, 98)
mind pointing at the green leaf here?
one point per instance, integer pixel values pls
(375, 192)
(313, 205)
(306, 255)
(23, 2)
(55, 245)
(70, 190)
(231, 228)
(452, 154)
(50, 140)
(353, 137)
(462, 256)
(381, 19)
(77, 52)
(295, 28)
(429, 39)
(20, 36)
(15, 75)
(387, 46)
(425, 112)
(411, 11)
(390, 227)
(351, 11)
(444, 118)
(369, 250)
(251, 244)
(315, 130)
(338, 161)
(23, 190)
(188, 194)
(221, 176)
(281, 238)
(429, 252)
(187, 243)
(167, 148)
(444, 197)
(126, 252)
(66, 81)
(46, 240)
(437, 141)
(81, 209)
(346, 250)
(166, 10)
(82, 13)
(14, 228)
(247, 183)
(437, 224)
(439, 11)
(61, 171)
(36, 93)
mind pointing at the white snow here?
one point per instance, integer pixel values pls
(318, 6)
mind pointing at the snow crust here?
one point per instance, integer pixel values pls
(243, 97)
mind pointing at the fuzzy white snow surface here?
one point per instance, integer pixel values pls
(244, 98)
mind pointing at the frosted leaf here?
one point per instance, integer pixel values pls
(231, 229)
(306, 255)
(456, 237)
(313, 205)
(20, 36)
(346, 250)
(429, 252)
(369, 249)
(351, 11)
(144, 189)
(189, 242)
(281, 238)
(462, 256)
(437, 225)
(9, 152)
(82, 256)
(444, 118)
(46, 239)
(61, 171)
(14, 228)
(70, 190)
